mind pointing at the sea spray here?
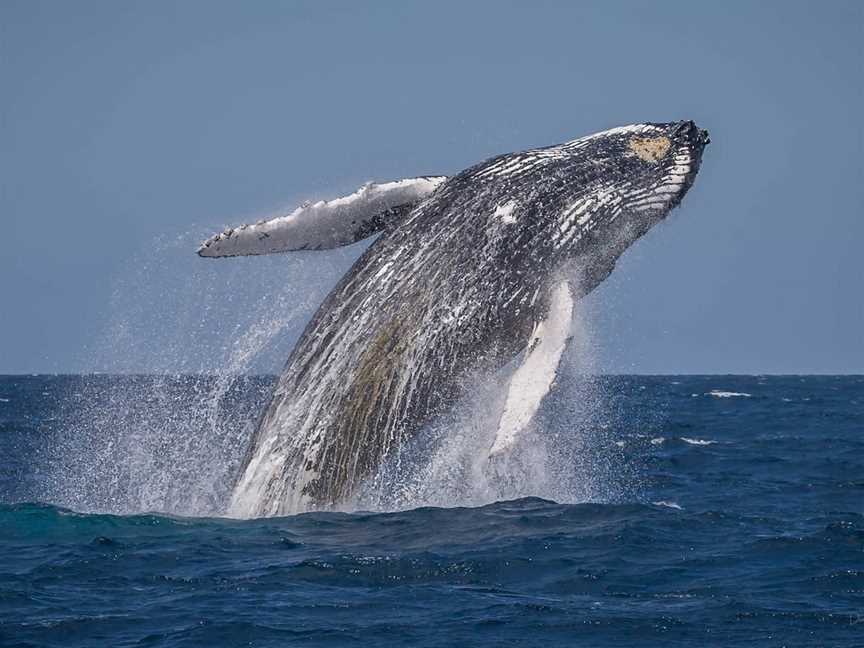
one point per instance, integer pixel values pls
(562, 456)
(167, 425)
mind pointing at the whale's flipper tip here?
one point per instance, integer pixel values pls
(207, 250)
(226, 244)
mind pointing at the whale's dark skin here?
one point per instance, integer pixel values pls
(455, 285)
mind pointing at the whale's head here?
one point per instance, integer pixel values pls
(625, 178)
(586, 200)
(598, 194)
(656, 163)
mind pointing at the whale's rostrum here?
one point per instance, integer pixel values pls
(468, 272)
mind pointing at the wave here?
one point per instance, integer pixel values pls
(717, 393)
(56, 524)
(698, 442)
(672, 505)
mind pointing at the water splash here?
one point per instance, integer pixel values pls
(562, 456)
(167, 428)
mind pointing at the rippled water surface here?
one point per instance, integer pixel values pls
(734, 516)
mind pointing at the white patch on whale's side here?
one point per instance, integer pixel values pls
(534, 377)
(505, 212)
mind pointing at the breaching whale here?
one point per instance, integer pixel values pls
(468, 272)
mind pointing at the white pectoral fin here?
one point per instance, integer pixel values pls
(534, 377)
(325, 224)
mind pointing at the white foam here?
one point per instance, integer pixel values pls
(672, 505)
(698, 442)
(450, 465)
(718, 393)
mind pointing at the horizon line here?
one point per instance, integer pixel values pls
(276, 375)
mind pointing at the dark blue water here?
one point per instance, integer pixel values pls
(740, 522)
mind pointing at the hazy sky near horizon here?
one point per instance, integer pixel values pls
(131, 129)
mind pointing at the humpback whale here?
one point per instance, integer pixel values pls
(470, 272)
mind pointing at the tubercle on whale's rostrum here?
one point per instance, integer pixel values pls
(460, 278)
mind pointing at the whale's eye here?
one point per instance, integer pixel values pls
(650, 149)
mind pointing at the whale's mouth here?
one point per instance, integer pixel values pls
(691, 141)
(687, 131)
(683, 159)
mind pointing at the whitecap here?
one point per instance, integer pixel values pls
(719, 393)
(673, 505)
(700, 442)
(5, 400)
(657, 440)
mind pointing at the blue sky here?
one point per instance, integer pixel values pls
(129, 130)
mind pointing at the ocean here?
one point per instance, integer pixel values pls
(714, 510)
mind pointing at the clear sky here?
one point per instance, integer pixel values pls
(130, 129)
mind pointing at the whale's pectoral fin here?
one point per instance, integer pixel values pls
(325, 224)
(533, 379)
